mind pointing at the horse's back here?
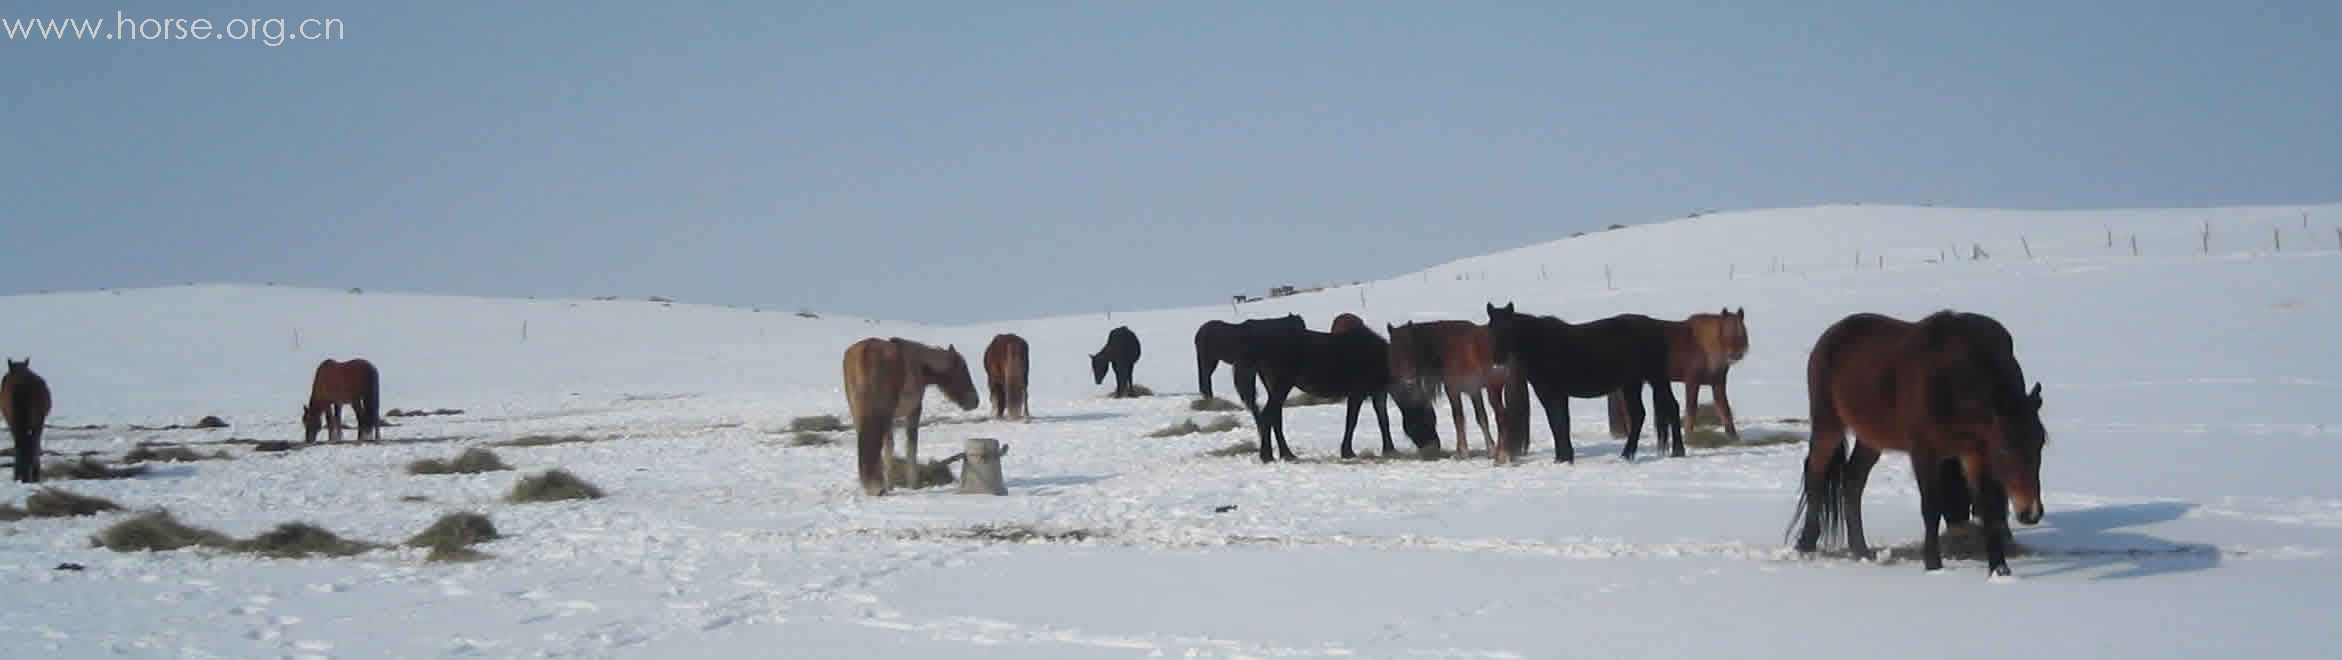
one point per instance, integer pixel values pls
(872, 367)
(1006, 358)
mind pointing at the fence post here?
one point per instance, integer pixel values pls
(524, 330)
(2277, 239)
(2028, 246)
(1606, 281)
(2134, 245)
(1732, 272)
(2207, 237)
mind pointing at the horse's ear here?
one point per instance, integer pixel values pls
(2035, 397)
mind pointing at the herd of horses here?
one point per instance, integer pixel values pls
(1945, 390)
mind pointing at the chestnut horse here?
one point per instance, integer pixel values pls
(1702, 350)
(1947, 388)
(24, 404)
(1456, 356)
(887, 379)
(1007, 369)
(1354, 366)
(1120, 354)
(355, 383)
(1221, 341)
(1563, 360)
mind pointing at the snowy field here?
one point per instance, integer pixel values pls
(2189, 479)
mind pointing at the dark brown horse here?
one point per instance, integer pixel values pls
(1346, 322)
(886, 380)
(1563, 360)
(1007, 368)
(1220, 341)
(1120, 354)
(24, 403)
(1456, 356)
(1702, 350)
(354, 383)
(1947, 388)
(1353, 366)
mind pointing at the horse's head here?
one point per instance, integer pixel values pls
(1098, 368)
(312, 418)
(1418, 420)
(15, 366)
(2016, 454)
(1503, 331)
(1731, 334)
(956, 383)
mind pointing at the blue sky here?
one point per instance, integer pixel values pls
(970, 161)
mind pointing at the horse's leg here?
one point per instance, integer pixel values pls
(1691, 400)
(333, 420)
(1724, 410)
(1122, 380)
(1857, 475)
(1349, 424)
(1557, 419)
(1479, 414)
(911, 445)
(1618, 415)
(1205, 364)
(1382, 419)
(1993, 507)
(1455, 406)
(1272, 424)
(1635, 416)
(1931, 504)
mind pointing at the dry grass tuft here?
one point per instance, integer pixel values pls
(89, 468)
(58, 503)
(817, 424)
(451, 538)
(472, 461)
(552, 486)
(1214, 404)
(156, 531)
(297, 540)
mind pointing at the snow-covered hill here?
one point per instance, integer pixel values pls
(2188, 400)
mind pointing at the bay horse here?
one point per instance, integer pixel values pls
(1120, 354)
(1702, 350)
(24, 404)
(1354, 366)
(1221, 341)
(1346, 322)
(887, 379)
(1563, 360)
(1008, 369)
(355, 383)
(1944, 389)
(1456, 356)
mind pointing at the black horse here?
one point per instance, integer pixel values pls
(1561, 360)
(1220, 341)
(1352, 365)
(1120, 353)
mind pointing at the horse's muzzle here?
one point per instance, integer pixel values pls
(2031, 515)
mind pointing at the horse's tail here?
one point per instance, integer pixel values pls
(370, 395)
(1828, 428)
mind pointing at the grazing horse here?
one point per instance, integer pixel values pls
(887, 379)
(24, 404)
(354, 382)
(1352, 365)
(1456, 356)
(1347, 322)
(1702, 350)
(1563, 360)
(1007, 368)
(1220, 341)
(1120, 353)
(1945, 389)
